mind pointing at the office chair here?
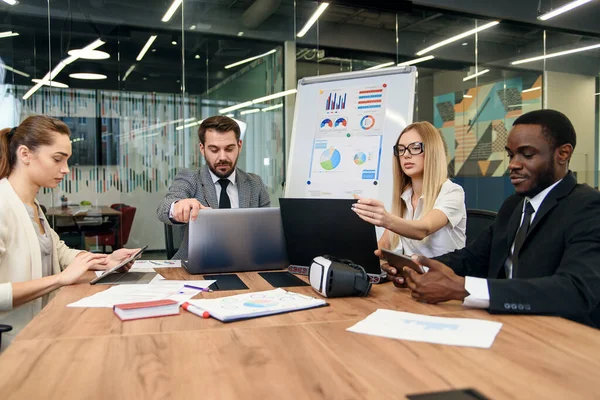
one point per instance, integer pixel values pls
(173, 235)
(108, 236)
(477, 222)
(4, 328)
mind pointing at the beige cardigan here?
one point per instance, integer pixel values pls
(21, 260)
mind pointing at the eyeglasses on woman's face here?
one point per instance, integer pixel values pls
(414, 149)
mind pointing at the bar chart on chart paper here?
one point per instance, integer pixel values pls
(335, 102)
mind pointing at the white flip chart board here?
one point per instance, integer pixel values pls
(345, 126)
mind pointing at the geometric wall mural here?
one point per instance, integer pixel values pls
(475, 125)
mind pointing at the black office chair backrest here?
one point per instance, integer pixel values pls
(477, 222)
(4, 328)
(173, 237)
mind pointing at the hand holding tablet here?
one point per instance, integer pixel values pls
(119, 265)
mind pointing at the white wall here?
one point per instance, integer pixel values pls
(574, 95)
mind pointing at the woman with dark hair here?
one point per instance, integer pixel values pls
(33, 260)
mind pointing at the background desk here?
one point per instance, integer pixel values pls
(72, 227)
(81, 353)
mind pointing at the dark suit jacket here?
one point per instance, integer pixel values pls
(559, 261)
(198, 184)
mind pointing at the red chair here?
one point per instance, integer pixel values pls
(117, 237)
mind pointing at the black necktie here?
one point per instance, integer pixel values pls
(224, 201)
(520, 237)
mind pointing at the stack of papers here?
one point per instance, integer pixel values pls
(422, 328)
(123, 294)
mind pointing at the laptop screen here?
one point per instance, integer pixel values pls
(316, 227)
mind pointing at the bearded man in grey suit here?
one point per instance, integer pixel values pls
(218, 184)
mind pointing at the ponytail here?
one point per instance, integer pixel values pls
(4, 152)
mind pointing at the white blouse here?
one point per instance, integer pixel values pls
(450, 201)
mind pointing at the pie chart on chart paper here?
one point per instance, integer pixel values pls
(367, 122)
(330, 159)
(341, 122)
(326, 123)
(360, 158)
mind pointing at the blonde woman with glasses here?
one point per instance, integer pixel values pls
(428, 212)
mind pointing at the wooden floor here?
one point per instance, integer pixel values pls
(77, 353)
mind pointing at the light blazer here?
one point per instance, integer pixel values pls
(198, 185)
(559, 261)
(21, 259)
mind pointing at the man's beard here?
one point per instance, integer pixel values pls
(221, 175)
(545, 179)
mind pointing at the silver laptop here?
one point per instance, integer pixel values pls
(236, 240)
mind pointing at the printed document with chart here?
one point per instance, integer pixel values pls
(422, 328)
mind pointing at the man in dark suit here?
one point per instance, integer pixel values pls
(542, 254)
(218, 184)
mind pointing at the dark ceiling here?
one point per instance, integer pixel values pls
(345, 32)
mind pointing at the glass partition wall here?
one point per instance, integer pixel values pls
(134, 79)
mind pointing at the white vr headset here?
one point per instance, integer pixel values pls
(332, 277)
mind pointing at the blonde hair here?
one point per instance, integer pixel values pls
(435, 172)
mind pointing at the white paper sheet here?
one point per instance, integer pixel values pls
(151, 264)
(160, 280)
(422, 328)
(123, 294)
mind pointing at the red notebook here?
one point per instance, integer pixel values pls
(146, 309)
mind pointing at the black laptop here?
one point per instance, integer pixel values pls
(316, 227)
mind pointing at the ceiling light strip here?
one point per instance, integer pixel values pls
(151, 40)
(457, 37)
(552, 55)
(416, 61)
(247, 60)
(561, 10)
(466, 78)
(16, 71)
(388, 64)
(171, 10)
(312, 19)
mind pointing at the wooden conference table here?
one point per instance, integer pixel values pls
(78, 353)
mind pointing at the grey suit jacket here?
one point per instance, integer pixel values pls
(198, 185)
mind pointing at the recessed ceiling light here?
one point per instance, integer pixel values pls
(192, 27)
(144, 78)
(154, 50)
(197, 56)
(174, 43)
(51, 83)
(240, 33)
(89, 54)
(87, 76)
(465, 44)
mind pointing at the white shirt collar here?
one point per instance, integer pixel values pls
(407, 194)
(216, 178)
(537, 200)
